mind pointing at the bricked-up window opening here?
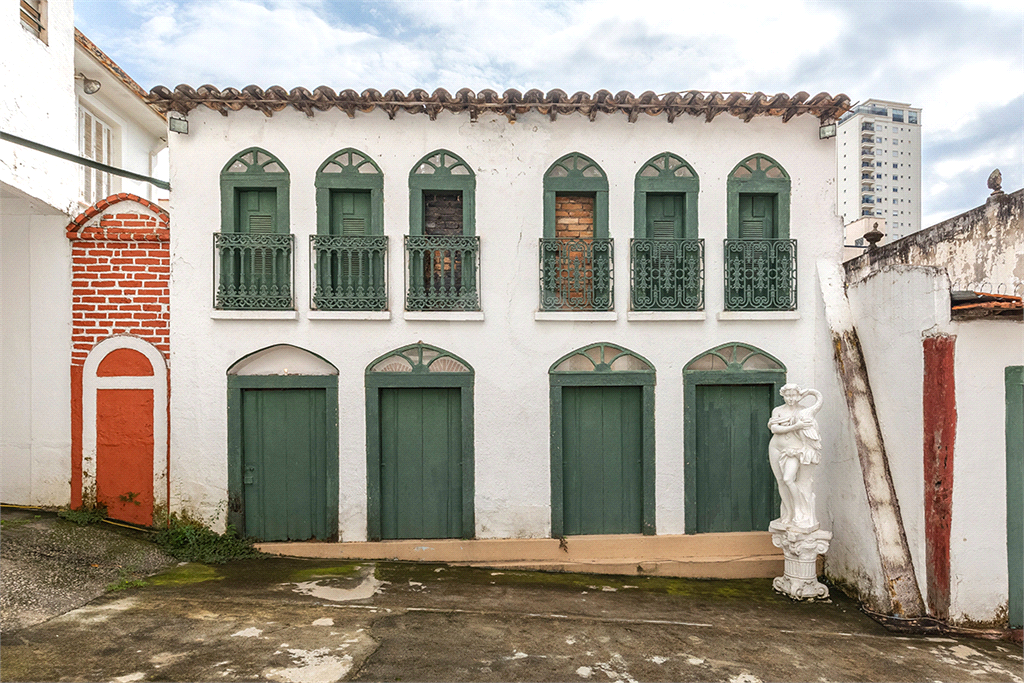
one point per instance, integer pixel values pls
(575, 252)
(442, 252)
(33, 17)
(95, 141)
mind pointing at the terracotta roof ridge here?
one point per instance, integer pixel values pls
(120, 74)
(510, 103)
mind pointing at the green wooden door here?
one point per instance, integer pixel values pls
(421, 463)
(735, 487)
(257, 211)
(350, 213)
(757, 216)
(602, 460)
(665, 216)
(284, 465)
(1015, 491)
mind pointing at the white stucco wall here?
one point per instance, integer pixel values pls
(510, 350)
(39, 104)
(35, 353)
(895, 309)
(977, 547)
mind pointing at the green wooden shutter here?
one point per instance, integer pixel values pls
(665, 216)
(757, 216)
(257, 212)
(350, 213)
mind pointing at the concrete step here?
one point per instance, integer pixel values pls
(719, 556)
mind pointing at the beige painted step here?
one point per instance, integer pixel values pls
(734, 555)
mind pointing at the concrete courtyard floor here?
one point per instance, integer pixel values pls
(294, 621)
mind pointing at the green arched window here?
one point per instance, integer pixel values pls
(442, 249)
(666, 257)
(758, 196)
(419, 444)
(575, 251)
(665, 199)
(255, 244)
(442, 195)
(575, 184)
(349, 195)
(602, 442)
(760, 259)
(349, 249)
(729, 392)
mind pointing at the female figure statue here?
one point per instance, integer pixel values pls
(794, 449)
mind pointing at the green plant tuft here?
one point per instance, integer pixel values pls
(83, 516)
(190, 540)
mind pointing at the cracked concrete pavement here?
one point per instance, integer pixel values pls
(299, 621)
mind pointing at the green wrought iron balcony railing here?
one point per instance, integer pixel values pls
(442, 272)
(253, 272)
(666, 274)
(576, 274)
(760, 275)
(349, 273)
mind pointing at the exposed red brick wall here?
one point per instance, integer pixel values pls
(574, 215)
(121, 269)
(939, 437)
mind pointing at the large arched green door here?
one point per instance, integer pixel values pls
(728, 395)
(419, 431)
(602, 442)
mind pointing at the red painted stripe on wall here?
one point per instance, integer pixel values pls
(939, 438)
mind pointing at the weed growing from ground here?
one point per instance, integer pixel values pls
(83, 516)
(125, 582)
(190, 540)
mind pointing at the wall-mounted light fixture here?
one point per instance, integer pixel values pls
(178, 125)
(90, 85)
(827, 131)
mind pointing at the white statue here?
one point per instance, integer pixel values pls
(793, 451)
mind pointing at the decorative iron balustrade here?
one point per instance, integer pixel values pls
(442, 273)
(349, 273)
(576, 274)
(254, 272)
(666, 274)
(760, 275)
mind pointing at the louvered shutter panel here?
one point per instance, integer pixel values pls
(261, 224)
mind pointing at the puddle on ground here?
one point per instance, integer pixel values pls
(338, 589)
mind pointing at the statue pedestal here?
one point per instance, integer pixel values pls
(801, 548)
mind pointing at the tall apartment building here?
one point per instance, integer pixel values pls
(878, 155)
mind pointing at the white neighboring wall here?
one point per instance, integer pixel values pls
(37, 195)
(510, 350)
(895, 309)
(39, 104)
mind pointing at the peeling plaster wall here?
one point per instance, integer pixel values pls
(510, 350)
(978, 572)
(895, 308)
(39, 104)
(892, 309)
(980, 249)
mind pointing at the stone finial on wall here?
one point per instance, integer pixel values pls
(995, 182)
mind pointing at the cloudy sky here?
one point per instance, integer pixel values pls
(962, 62)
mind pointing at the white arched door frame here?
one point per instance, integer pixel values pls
(157, 382)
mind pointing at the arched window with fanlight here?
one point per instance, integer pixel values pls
(760, 258)
(442, 248)
(575, 250)
(602, 442)
(419, 444)
(666, 256)
(349, 249)
(729, 392)
(255, 244)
